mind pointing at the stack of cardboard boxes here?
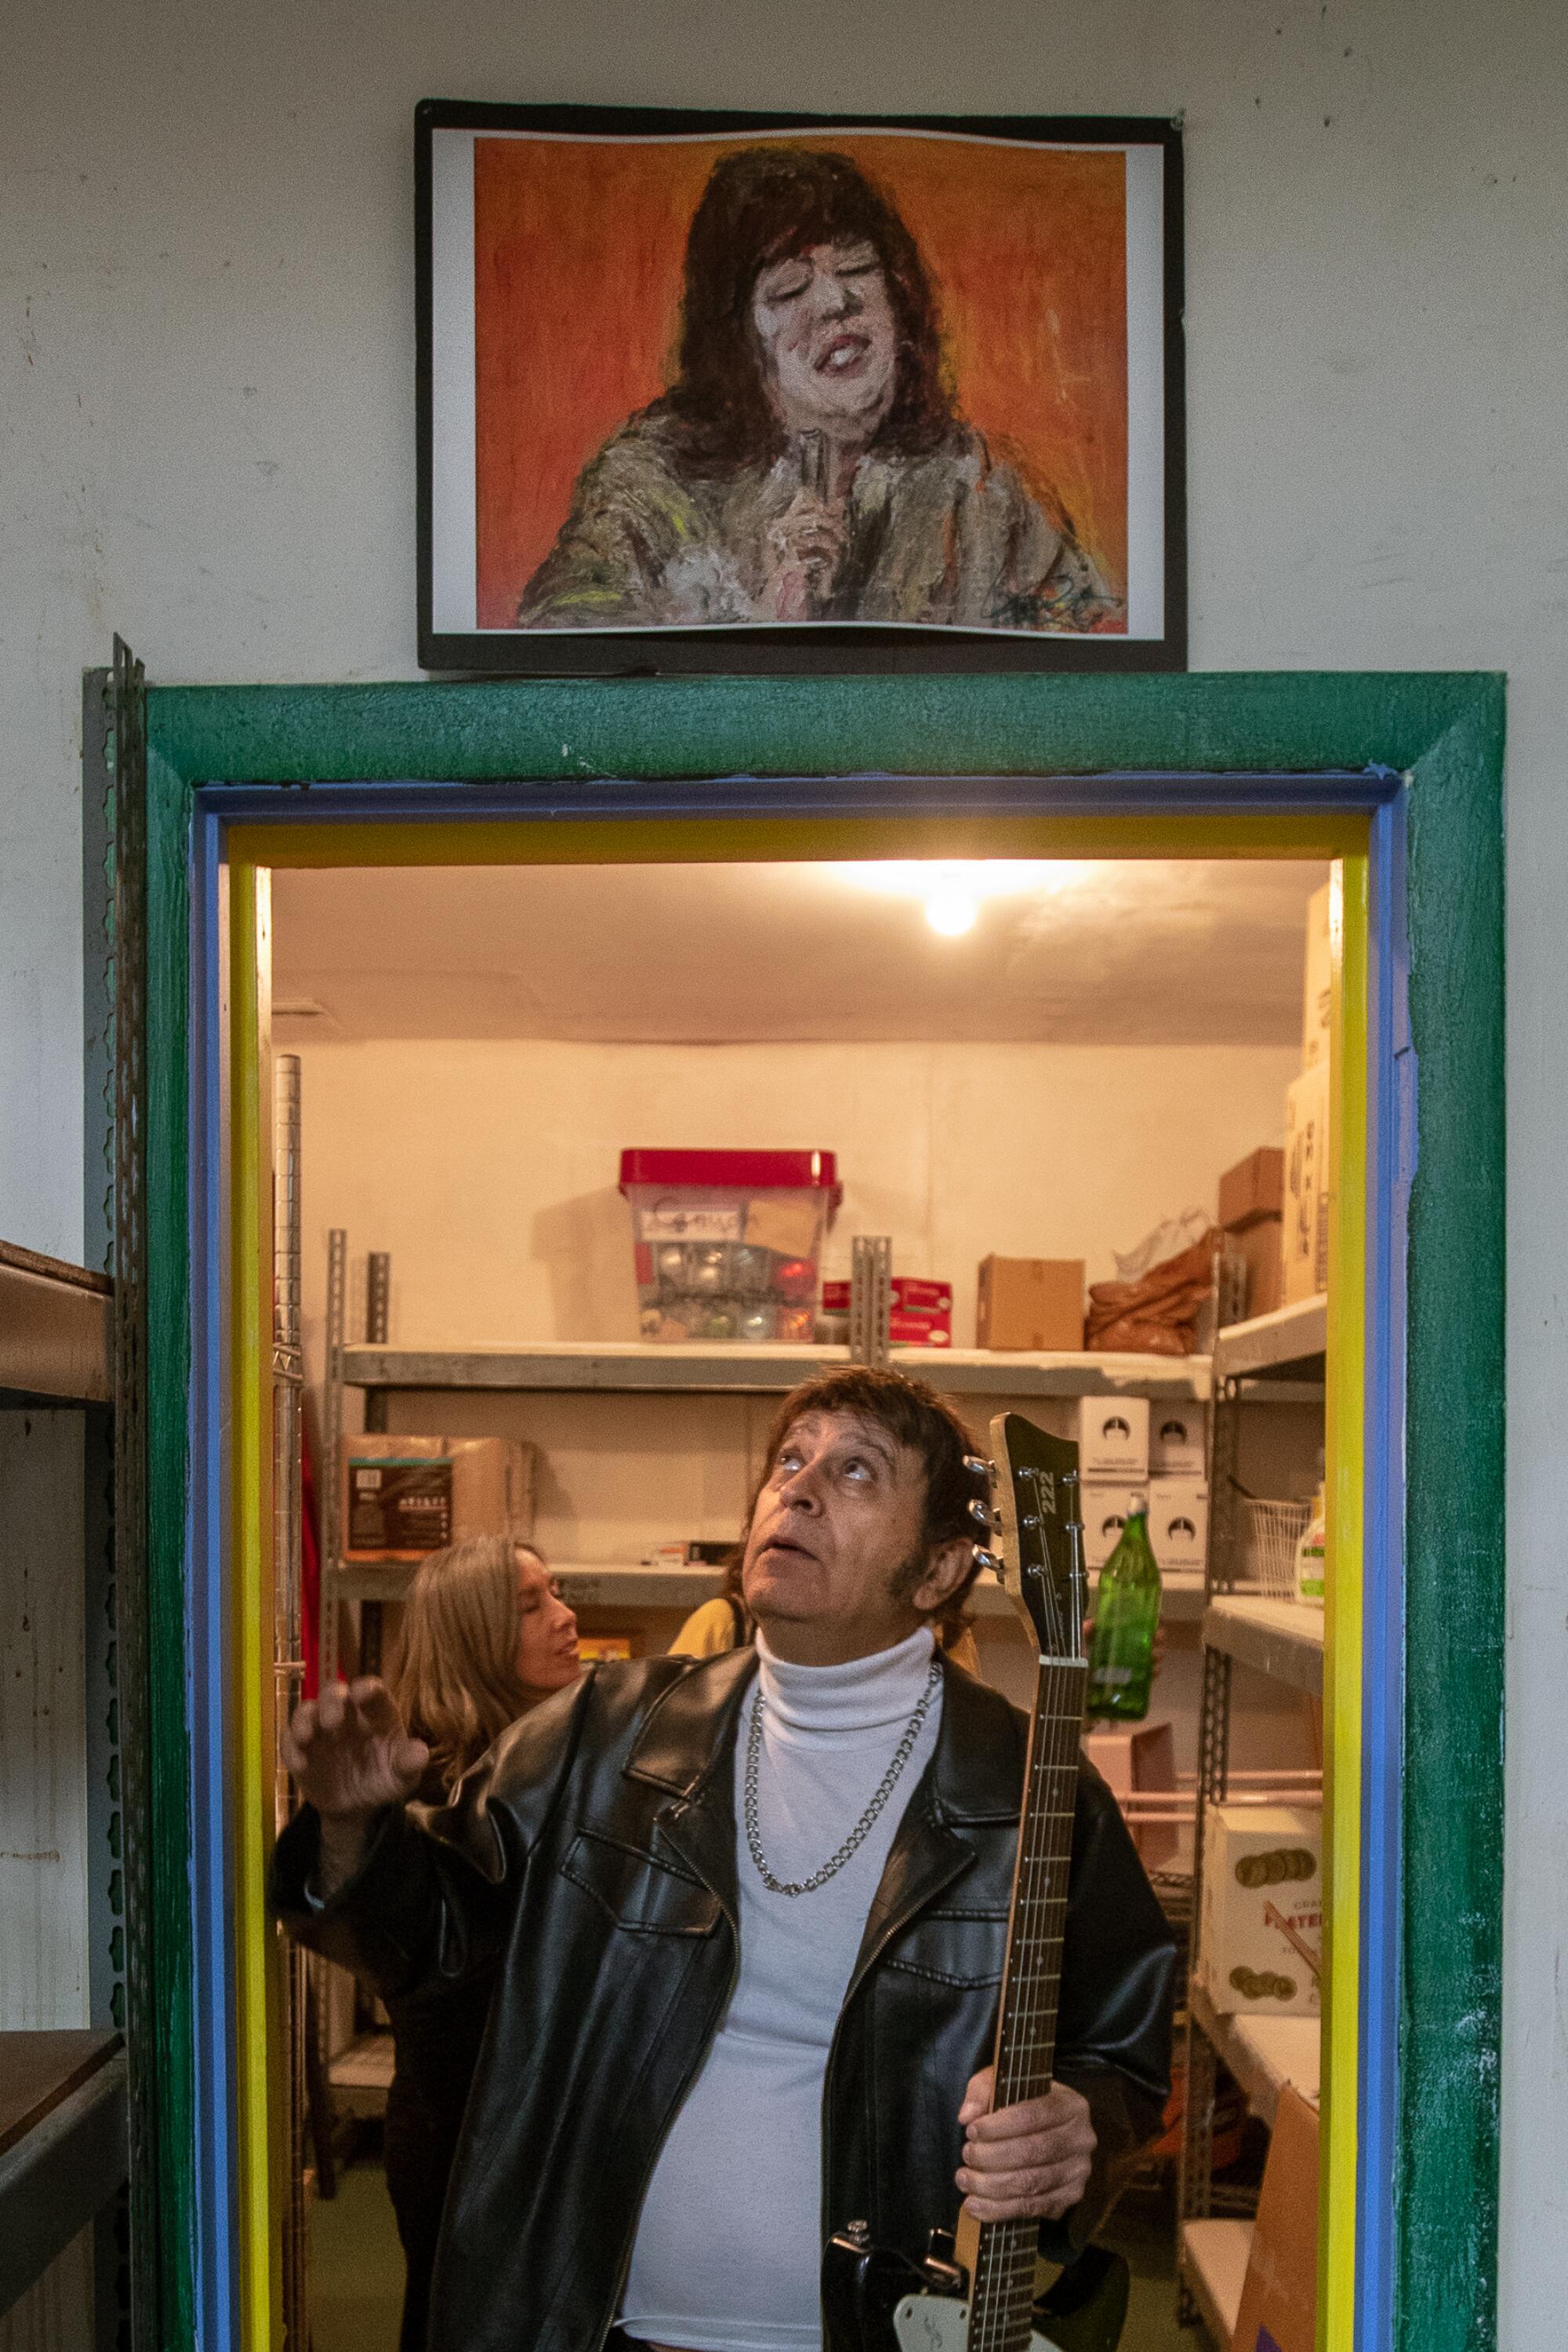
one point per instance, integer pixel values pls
(1305, 1235)
(1274, 1205)
(1128, 1446)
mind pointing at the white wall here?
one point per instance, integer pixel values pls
(489, 1169)
(207, 438)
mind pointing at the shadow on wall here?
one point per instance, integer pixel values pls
(586, 1244)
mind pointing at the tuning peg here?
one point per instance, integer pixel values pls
(981, 1513)
(978, 1467)
(984, 1558)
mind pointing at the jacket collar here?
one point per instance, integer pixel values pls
(976, 1773)
(685, 1747)
(693, 1723)
(974, 1777)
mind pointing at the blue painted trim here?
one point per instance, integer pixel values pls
(1382, 1645)
(1114, 794)
(209, 1629)
(1377, 793)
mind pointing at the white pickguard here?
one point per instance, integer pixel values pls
(940, 2323)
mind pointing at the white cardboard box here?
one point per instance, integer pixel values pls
(1105, 1503)
(1261, 1930)
(1304, 1234)
(1178, 1522)
(1114, 1437)
(1178, 1436)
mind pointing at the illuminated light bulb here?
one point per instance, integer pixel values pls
(949, 910)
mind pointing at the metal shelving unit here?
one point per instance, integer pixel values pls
(64, 2108)
(640, 1368)
(1279, 1359)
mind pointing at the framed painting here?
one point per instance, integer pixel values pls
(787, 393)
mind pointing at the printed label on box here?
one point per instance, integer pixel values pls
(399, 1507)
(1114, 1437)
(680, 1221)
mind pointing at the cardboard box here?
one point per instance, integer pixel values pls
(1254, 1188)
(404, 1498)
(1131, 1758)
(1030, 1302)
(920, 1315)
(1278, 2310)
(1261, 1932)
(1304, 1236)
(1113, 1438)
(1178, 1522)
(1318, 999)
(1178, 1441)
(1105, 1505)
(1261, 1248)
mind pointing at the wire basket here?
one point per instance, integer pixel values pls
(1276, 1529)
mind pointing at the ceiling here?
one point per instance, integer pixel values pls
(1130, 952)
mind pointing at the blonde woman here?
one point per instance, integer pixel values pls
(486, 1635)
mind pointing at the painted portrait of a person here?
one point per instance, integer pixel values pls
(810, 460)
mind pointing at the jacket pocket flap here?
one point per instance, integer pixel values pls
(638, 1890)
(955, 1946)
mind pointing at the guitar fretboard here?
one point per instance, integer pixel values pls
(1002, 2272)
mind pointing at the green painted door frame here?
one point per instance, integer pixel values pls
(1443, 731)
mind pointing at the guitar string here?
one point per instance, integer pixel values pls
(1002, 2301)
(995, 2317)
(1039, 1921)
(1042, 1919)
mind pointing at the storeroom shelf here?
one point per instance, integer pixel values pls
(1291, 1335)
(703, 1367)
(1263, 2052)
(615, 1584)
(1282, 1638)
(1213, 2265)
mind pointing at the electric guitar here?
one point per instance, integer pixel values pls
(975, 2290)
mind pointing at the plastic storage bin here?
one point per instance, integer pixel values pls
(729, 1243)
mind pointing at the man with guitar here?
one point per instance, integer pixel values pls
(748, 1919)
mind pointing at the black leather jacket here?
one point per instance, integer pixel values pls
(591, 1859)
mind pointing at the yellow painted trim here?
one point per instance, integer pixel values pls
(666, 841)
(1345, 1424)
(258, 2041)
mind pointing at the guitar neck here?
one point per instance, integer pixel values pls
(1000, 2255)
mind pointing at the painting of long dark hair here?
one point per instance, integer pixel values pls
(764, 205)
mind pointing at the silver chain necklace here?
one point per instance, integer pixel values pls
(863, 1827)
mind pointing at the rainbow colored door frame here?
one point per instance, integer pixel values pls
(1396, 777)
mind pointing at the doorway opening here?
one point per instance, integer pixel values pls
(1026, 1060)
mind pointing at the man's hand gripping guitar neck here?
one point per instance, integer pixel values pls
(351, 1756)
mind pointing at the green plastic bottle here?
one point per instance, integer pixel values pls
(1126, 1618)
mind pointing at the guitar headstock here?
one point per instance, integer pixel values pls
(1036, 1533)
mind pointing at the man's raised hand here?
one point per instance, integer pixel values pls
(351, 1756)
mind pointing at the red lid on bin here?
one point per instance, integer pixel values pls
(740, 1171)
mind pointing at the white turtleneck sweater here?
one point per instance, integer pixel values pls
(729, 2243)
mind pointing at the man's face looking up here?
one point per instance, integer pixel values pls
(836, 1563)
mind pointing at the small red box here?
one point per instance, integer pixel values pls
(921, 1313)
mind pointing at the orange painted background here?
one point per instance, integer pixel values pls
(578, 251)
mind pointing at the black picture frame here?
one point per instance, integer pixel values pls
(812, 646)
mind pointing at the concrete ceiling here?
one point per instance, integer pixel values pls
(1157, 952)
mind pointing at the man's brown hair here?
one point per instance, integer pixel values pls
(914, 1416)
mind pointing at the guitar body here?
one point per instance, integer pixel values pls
(877, 2301)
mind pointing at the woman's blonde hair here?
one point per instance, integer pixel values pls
(457, 1685)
